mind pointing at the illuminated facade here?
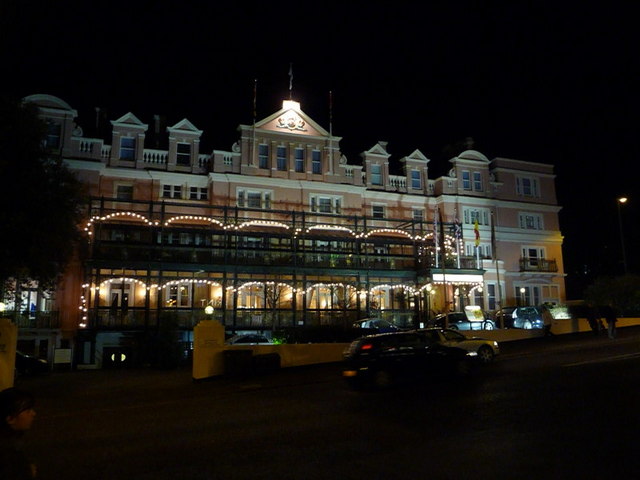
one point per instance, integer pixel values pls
(283, 231)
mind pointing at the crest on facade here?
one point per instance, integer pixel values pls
(291, 121)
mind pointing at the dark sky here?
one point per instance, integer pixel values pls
(553, 82)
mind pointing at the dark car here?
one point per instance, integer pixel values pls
(382, 360)
(520, 317)
(462, 321)
(376, 325)
(29, 365)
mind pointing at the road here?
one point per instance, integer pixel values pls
(553, 408)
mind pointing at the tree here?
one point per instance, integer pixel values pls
(622, 293)
(40, 210)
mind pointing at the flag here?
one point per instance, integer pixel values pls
(476, 230)
(457, 228)
(290, 79)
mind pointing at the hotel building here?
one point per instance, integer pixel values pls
(283, 231)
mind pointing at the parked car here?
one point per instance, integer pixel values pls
(520, 317)
(378, 324)
(30, 365)
(383, 359)
(463, 321)
(249, 339)
(486, 350)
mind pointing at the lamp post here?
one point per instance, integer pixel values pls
(521, 297)
(622, 201)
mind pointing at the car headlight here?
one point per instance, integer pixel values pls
(472, 354)
(495, 344)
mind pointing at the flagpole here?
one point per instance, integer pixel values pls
(330, 132)
(494, 254)
(435, 235)
(253, 140)
(456, 227)
(290, 81)
(444, 273)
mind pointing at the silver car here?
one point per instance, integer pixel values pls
(486, 350)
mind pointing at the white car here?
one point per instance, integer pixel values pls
(486, 350)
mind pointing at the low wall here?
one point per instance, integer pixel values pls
(209, 349)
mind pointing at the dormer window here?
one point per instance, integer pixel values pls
(52, 140)
(127, 148)
(376, 174)
(477, 181)
(416, 180)
(183, 154)
(466, 180)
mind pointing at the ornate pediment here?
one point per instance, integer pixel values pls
(291, 121)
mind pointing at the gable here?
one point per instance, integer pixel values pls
(417, 156)
(128, 120)
(290, 119)
(184, 126)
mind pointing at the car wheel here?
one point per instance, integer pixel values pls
(383, 378)
(488, 326)
(485, 354)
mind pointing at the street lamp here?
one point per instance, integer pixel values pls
(622, 201)
(521, 297)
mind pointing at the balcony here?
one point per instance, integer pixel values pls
(538, 265)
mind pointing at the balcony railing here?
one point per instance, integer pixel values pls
(538, 265)
(48, 319)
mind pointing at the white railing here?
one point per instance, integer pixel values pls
(158, 157)
(397, 181)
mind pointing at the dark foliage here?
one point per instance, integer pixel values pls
(40, 209)
(622, 293)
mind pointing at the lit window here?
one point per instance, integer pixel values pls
(127, 148)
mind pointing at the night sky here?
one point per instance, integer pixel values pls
(533, 81)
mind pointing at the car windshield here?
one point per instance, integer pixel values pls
(453, 336)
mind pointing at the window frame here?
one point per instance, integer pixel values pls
(127, 152)
(181, 156)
